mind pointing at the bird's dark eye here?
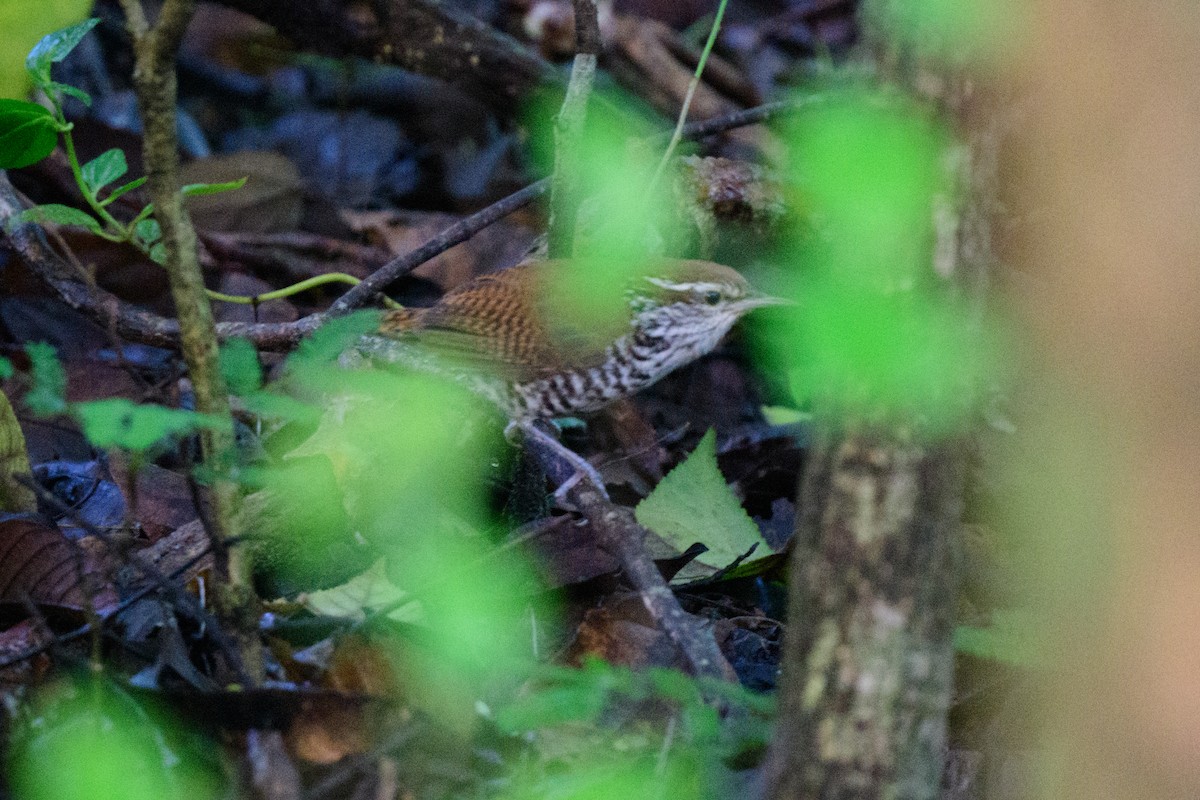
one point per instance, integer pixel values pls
(712, 298)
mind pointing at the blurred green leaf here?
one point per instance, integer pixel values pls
(1012, 638)
(96, 744)
(148, 231)
(28, 133)
(201, 189)
(694, 504)
(49, 391)
(328, 342)
(782, 415)
(273, 405)
(621, 225)
(117, 422)
(546, 707)
(959, 30)
(240, 367)
(104, 169)
(6, 368)
(878, 326)
(866, 167)
(54, 47)
(57, 214)
(608, 770)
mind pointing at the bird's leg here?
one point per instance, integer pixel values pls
(567, 459)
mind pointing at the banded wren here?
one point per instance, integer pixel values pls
(495, 335)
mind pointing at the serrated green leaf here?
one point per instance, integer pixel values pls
(366, 592)
(239, 365)
(28, 133)
(57, 214)
(694, 504)
(54, 47)
(118, 422)
(200, 189)
(104, 169)
(120, 190)
(48, 394)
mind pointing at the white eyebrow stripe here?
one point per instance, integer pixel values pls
(672, 286)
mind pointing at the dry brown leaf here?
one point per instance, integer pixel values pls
(500, 245)
(272, 199)
(37, 563)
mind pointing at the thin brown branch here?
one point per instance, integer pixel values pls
(587, 28)
(456, 234)
(138, 325)
(425, 36)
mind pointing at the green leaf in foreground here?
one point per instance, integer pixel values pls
(147, 231)
(95, 743)
(104, 169)
(57, 214)
(200, 189)
(694, 504)
(118, 422)
(48, 394)
(1011, 638)
(54, 47)
(240, 367)
(28, 133)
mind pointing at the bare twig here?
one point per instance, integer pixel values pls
(138, 325)
(456, 234)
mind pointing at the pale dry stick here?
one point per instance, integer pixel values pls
(568, 130)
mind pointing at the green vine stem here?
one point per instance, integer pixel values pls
(114, 230)
(677, 134)
(295, 288)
